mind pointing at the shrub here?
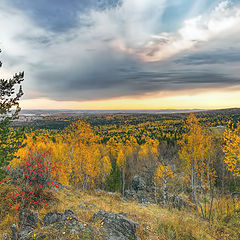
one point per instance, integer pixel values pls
(36, 186)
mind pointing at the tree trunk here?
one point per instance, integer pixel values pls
(211, 204)
(164, 191)
(155, 192)
(165, 187)
(123, 181)
(71, 165)
(223, 178)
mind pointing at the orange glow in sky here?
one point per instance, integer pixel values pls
(177, 100)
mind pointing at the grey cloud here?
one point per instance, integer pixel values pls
(218, 56)
(110, 76)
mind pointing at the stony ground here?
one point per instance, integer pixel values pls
(102, 215)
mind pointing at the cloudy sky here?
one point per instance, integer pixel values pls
(123, 54)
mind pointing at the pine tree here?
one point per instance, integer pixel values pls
(10, 140)
(114, 179)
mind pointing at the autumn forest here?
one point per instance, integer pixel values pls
(188, 162)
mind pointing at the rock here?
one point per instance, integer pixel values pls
(28, 221)
(6, 236)
(179, 202)
(57, 217)
(69, 215)
(14, 232)
(129, 194)
(52, 217)
(142, 197)
(138, 184)
(116, 226)
(25, 232)
(236, 195)
(59, 223)
(28, 218)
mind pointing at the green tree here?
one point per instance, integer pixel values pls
(10, 139)
(114, 179)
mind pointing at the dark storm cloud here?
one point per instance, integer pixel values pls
(114, 77)
(102, 73)
(219, 56)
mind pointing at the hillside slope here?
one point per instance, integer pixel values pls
(154, 222)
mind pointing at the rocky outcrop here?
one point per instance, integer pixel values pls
(69, 215)
(28, 221)
(178, 202)
(138, 184)
(52, 217)
(129, 194)
(55, 216)
(57, 225)
(138, 192)
(116, 226)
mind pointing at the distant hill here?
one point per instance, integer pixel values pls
(160, 111)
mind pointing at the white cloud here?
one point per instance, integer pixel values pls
(222, 21)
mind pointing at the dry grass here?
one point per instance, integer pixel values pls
(154, 221)
(8, 214)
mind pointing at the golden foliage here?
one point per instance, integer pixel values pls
(232, 149)
(79, 158)
(197, 151)
(163, 172)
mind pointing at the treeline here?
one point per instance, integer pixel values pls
(102, 120)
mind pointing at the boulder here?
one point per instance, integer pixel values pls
(138, 184)
(116, 226)
(55, 217)
(52, 217)
(142, 197)
(28, 221)
(129, 194)
(179, 202)
(66, 223)
(236, 195)
(69, 215)
(28, 218)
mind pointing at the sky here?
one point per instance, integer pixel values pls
(123, 54)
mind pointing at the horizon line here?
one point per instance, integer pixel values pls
(160, 109)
